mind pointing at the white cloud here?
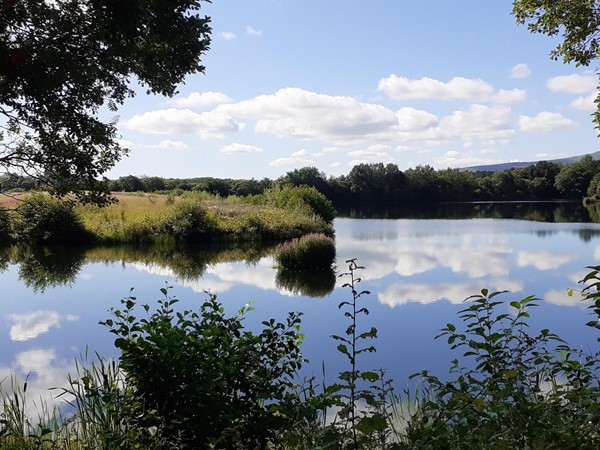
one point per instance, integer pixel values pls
(543, 259)
(201, 99)
(293, 161)
(294, 112)
(545, 121)
(490, 125)
(29, 326)
(376, 151)
(411, 119)
(172, 145)
(301, 152)
(126, 144)
(210, 125)
(252, 31)
(458, 88)
(520, 71)
(585, 103)
(454, 158)
(227, 35)
(240, 148)
(573, 84)
(504, 97)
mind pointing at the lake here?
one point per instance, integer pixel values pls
(418, 271)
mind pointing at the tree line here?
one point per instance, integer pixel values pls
(386, 183)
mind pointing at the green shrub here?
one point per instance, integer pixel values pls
(202, 378)
(310, 252)
(301, 197)
(41, 218)
(512, 390)
(5, 226)
(189, 220)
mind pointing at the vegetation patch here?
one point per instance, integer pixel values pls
(310, 252)
(41, 218)
(196, 217)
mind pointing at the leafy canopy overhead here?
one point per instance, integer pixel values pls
(64, 64)
(576, 21)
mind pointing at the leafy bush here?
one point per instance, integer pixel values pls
(520, 391)
(310, 252)
(203, 379)
(189, 220)
(46, 219)
(5, 226)
(301, 197)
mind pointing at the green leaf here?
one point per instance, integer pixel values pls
(370, 376)
(342, 349)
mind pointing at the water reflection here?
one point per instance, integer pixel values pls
(318, 283)
(557, 212)
(40, 268)
(44, 267)
(419, 273)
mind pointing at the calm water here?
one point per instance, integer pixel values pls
(419, 272)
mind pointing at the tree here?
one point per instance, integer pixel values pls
(65, 65)
(577, 21)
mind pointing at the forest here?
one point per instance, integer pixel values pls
(385, 183)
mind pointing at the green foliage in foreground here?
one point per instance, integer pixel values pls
(511, 389)
(199, 379)
(310, 252)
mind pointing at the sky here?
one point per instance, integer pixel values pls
(332, 83)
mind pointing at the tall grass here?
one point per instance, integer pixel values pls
(151, 218)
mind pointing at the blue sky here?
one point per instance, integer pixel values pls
(331, 83)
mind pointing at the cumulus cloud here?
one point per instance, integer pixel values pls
(573, 84)
(172, 145)
(227, 35)
(210, 125)
(201, 99)
(294, 112)
(376, 151)
(490, 125)
(585, 103)
(301, 152)
(458, 88)
(252, 31)
(29, 326)
(240, 148)
(505, 97)
(411, 119)
(125, 143)
(454, 158)
(520, 71)
(545, 122)
(291, 161)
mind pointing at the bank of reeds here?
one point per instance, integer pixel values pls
(199, 217)
(192, 217)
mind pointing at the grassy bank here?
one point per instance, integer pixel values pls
(192, 217)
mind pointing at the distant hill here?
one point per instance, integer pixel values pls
(515, 165)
